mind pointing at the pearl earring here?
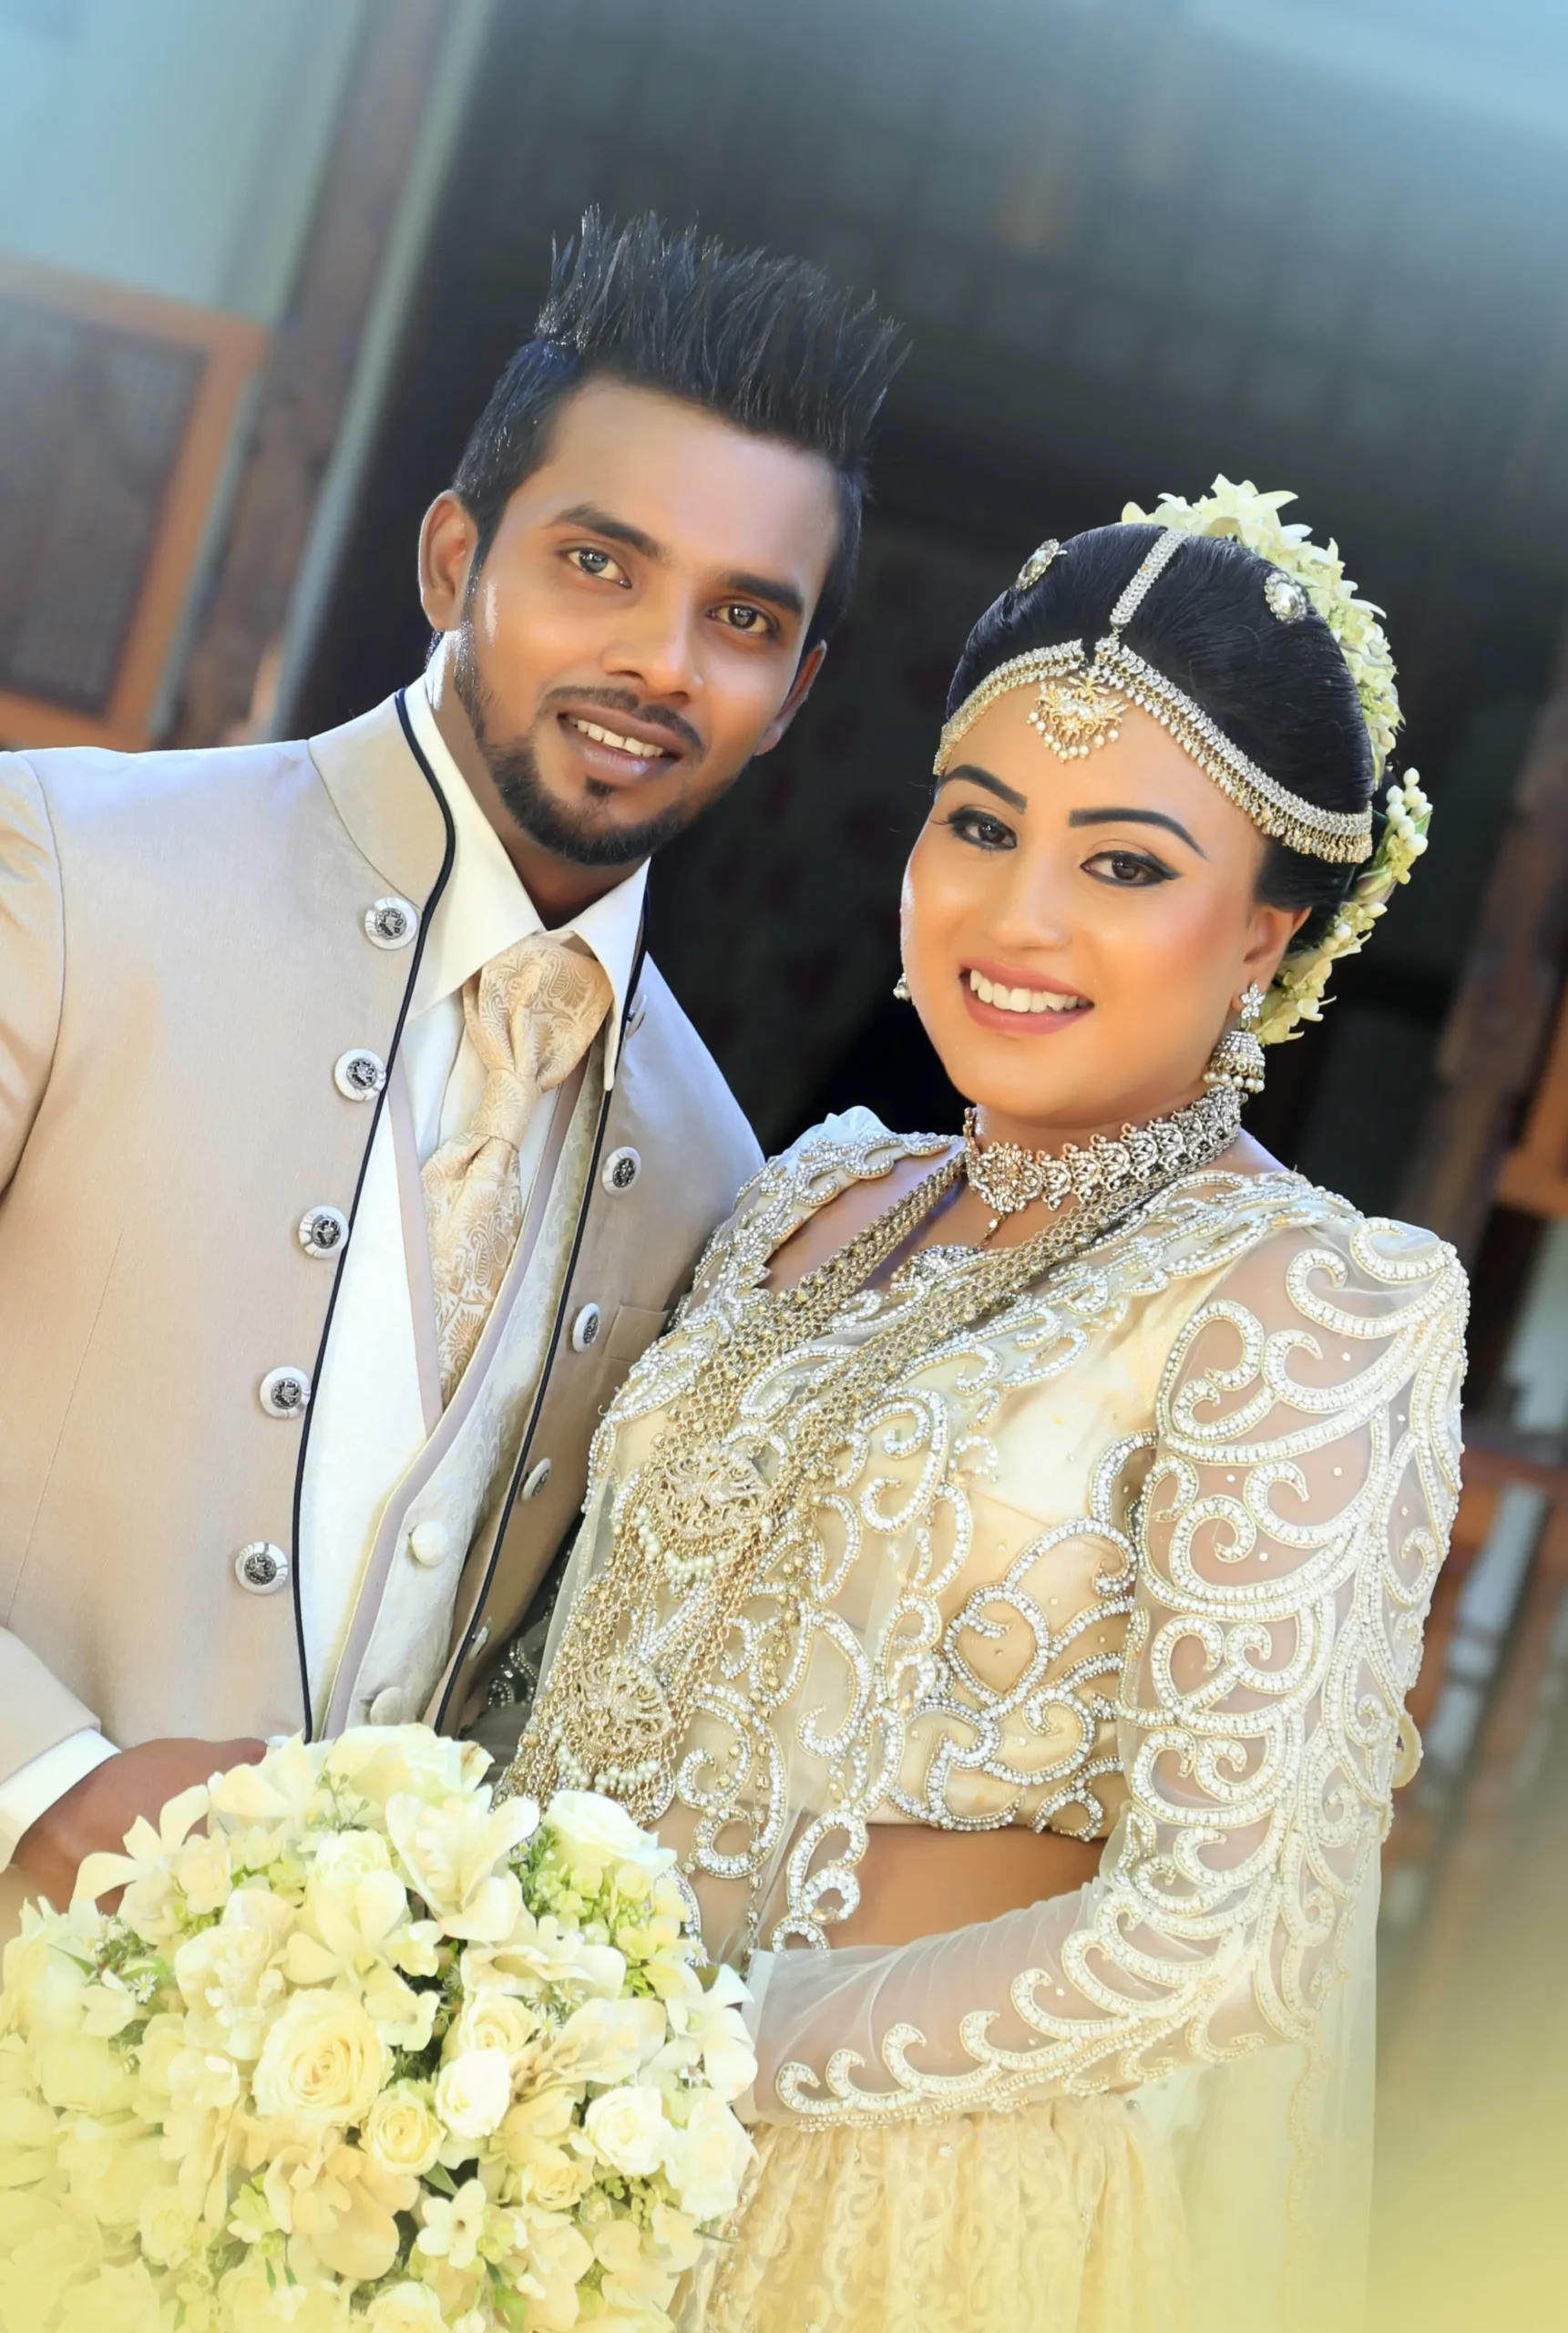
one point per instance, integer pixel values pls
(901, 988)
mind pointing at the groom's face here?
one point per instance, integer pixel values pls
(634, 633)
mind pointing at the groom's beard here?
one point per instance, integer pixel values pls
(515, 772)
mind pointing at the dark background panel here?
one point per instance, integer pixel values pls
(1134, 245)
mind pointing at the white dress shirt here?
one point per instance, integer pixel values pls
(371, 1410)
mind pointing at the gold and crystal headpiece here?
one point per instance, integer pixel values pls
(1082, 699)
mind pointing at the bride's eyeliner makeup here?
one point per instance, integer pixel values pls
(1154, 869)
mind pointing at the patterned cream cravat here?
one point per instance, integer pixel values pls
(531, 1013)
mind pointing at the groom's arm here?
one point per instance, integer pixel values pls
(43, 1717)
(31, 955)
(95, 1812)
(64, 1790)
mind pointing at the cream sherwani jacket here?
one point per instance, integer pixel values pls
(193, 1003)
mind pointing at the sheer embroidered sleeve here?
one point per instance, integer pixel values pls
(1303, 1484)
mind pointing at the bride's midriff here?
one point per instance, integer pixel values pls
(916, 1881)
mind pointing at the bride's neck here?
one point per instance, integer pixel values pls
(1055, 1135)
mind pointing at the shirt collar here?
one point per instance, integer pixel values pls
(486, 908)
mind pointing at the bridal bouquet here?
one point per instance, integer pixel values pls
(365, 2051)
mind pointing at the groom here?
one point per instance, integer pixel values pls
(351, 1148)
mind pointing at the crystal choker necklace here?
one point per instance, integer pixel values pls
(1009, 1178)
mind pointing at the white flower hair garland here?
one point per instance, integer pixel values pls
(1243, 514)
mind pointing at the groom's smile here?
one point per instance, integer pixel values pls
(621, 742)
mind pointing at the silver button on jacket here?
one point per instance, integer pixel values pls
(622, 1169)
(392, 922)
(323, 1230)
(286, 1393)
(478, 1640)
(585, 1327)
(538, 1476)
(359, 1074)
(261, 1568)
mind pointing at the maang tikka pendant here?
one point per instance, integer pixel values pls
(1075, 714)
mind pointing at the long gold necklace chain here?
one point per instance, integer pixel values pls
(701, 1517)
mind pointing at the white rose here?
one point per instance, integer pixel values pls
(112, 2173)
(230, 1975)
(405, 2309)
(627, 2129)
(44, 1984)
(81, 2074)
(204, 1873)
(597, 1832)
(253, 2299)
(168, 2230)
(706, 2162)
(609, 2041)
(473, 2093)
(383, 1761)
(401, 2129)
(163, 2039)
(530, 2142)
(126, 2299)
(323, 2060)
(203, 2081)
(46, 2248)
(491, 2020)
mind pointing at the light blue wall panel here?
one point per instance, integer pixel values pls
(175, 145)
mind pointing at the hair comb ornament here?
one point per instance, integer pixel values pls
(1035, 565)
(1284, 599)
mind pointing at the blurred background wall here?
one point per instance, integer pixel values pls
(260, 264)
(177, 148)
(1134, 244)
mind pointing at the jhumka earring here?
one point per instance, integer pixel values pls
(1237, 1059)
(901, 988)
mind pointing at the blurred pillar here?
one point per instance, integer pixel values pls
(235, 658)
(1498, 1027)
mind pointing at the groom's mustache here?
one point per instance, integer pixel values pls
(611, 700)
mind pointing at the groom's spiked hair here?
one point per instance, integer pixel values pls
(767, 344)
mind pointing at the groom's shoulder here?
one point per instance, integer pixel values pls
(90, 786)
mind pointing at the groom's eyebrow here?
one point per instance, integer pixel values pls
(619, 530)
(979, 776)
(740, 580)
(747, 586)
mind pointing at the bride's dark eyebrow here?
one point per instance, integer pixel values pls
(1116, 818)
(979, 776)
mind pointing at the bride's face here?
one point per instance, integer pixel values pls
(1077, 934)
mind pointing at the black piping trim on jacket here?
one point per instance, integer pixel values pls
(525, 1448)
(442, 878)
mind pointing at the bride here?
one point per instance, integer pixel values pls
(1001, 1584)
